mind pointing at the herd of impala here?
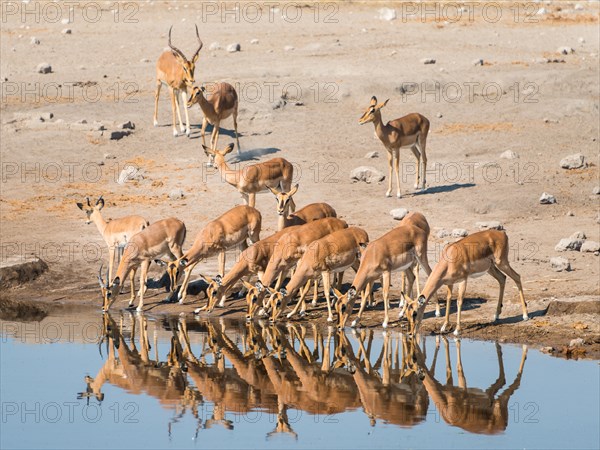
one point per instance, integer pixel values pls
(311, 243)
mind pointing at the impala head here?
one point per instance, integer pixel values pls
(109, 291)
(195, 95)
(89, 210)
(414, 311)
(371, 111)
(254, 298)
(276, 301)
(214, 292)
(173, 270)
(342, 305)
(283, 199)
(188, 66)
(216, 155)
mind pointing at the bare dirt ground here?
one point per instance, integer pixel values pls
(330, 58)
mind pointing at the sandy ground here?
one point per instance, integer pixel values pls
(330, 57)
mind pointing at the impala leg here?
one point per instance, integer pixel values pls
(279, 281)
(178, 106)
(235, 128)
(132, 282)
(505, 267)
(173, 109)
(203, 130)
(415, 151)
(390, 163)
(222, 262)
(340, 279)
(326, 288)
(215, 134)
(397, 169)
(156, 96)
(387, 281)
(186, 280)
(501, 278)
(422, 143)
(143, 277)
(187, 113)
(462, 287)
(111, 262)
(298, 304)
(448, 303)
(462, 381)
(252, 199)
(315, 292)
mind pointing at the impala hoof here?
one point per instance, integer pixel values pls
(438, 313)
(330, 319)
(181, 301)
(456, 332)
(302, 313)
(443, 329)
(175, 133)
(495, 318)
(188, 132)
(354, 323)
(139, 309)
(388, 194)
(525, 317)
(384, 324)
(401, 314)
(398, 195)
(155, 122)
(289, 315)
(198, 310)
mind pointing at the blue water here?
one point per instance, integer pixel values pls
(556, 404)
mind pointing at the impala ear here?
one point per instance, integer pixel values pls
(270, 290)
(383, 104)
(116, 281)
(228, 149)
(373, 101)
(363, 245)
(274, 191)
(248, 285)
(207, 150)
(337, 294)
(207, 278)
(100, 203)
(294, 190)
(80, 205)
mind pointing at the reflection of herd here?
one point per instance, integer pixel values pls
(273, 370)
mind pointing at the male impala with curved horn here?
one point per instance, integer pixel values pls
(276, 172)
(177, 72)
(473, 256)
(116, 233)
(408, 131)
(397, 250)
(227, 231)
(331, 254)
(162, 238)
(221, 103)
(304, 215)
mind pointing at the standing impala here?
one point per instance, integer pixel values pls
(227, 231)
(177, 72)
(221, 103)
(408, 131)
(116, 233)
(307, 214)
(397, 250)
(473, 256)
(162, 238)
(251, 179)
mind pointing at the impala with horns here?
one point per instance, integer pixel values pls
(177, 72)
(274, 173)
(397, 250)
(408, 131)
(473, 256)
(304, 215)
(161, 239)
(227, 231)
(221, 103)
(116, 233)
(323, 258)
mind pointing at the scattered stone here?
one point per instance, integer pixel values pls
(555, 60)
(590, 247)
(129, 125)
(547, 120)
(547, 199)
(560, 264)
(547, 349)
(478, 62)
(570, 214)
(491, 225)
(130, 173)
(565, 50)
(542, 11)
(578, 342)
(278, 103)
(575, 161)
(439, 115)
(65, 21)
(299, 103)
(581, 40)
(235, 47)
(43, 68)
(459, 232)
(214, 46)
(66, 31)
(578, 7)
(568, 244)
(388, 14)
(596, 190)
(579, 235)
(118, 135)
(398, 213)
(144, 60)
(288, 48)
(34, 41)
(443, 234)
(109, 156)
(371, 155)
(254, 42)
(509, 154)
(393, 52)
(100, 163)
(176, 194)
(366, 174)
(428, 61)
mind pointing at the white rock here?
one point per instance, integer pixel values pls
(288, 48)
(443, 234)
(578, 342)
(478, 62)
(371, 155)
(581, 40)
(578, 7)
(43, 68)
(459, 232)
(387, 14)
(235, 47)
(34, 41)
(490, 225)
(579, 235)
(428, 61)
(254, 42)
(398, 213)
(590, 246)
(129, 125)
(214, 46)
(542, 11)
(109, 156)
(575, 161)
(65, 21)
(560, 264)
(176, 194)
(596, 190)
(509, 154)
(144, 60)
(66, 31)
(568, 244)
(565, 50)
(366, 174)
(547, 199)
(439, 115)
(129, 173)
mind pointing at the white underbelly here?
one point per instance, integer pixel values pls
(477, 274)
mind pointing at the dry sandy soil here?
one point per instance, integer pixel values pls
(330, 57)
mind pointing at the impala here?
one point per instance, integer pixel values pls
(162, 238)
(220, 104)
(472, 256)
(116, 233)
(397, 250)
(307, 214)
(227, 231)
(331, 254)
(408, 131)
(177, 72)
(253, 178)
